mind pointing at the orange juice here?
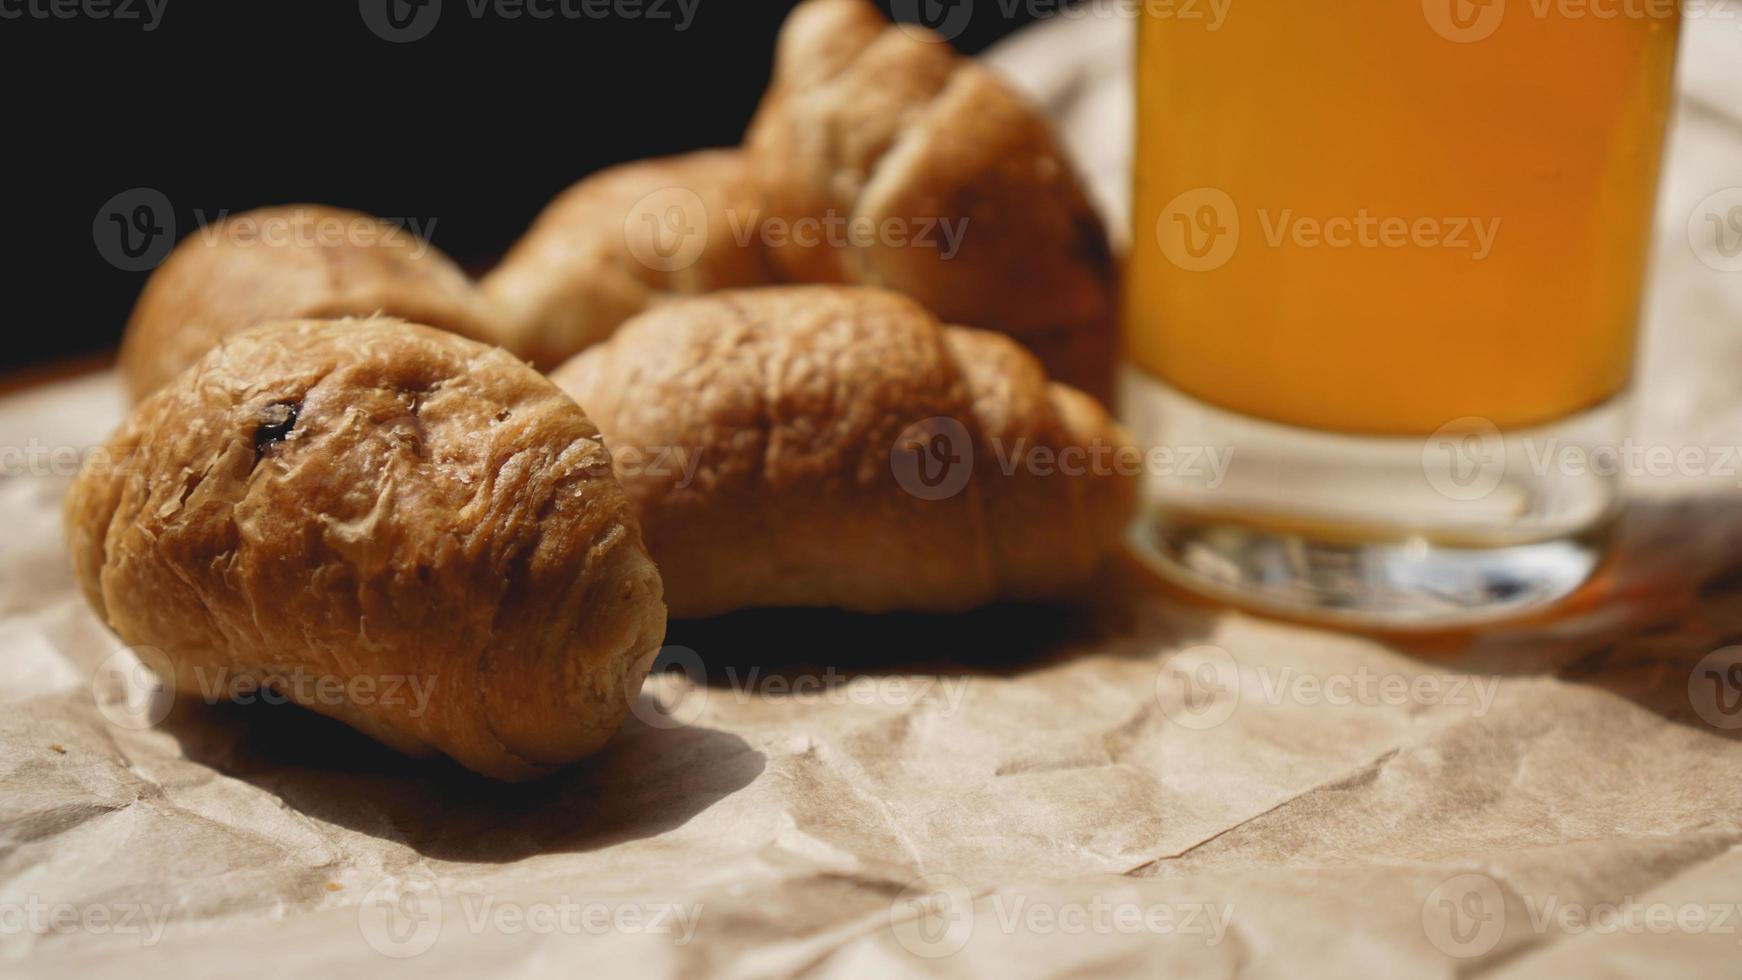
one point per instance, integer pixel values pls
(1378, 216)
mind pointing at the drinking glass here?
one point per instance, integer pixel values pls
(1384, 290)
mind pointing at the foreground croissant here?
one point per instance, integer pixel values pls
(835, 446)
(392, 525)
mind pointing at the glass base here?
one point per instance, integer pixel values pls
(1467, 525)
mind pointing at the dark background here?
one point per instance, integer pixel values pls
(229, 105)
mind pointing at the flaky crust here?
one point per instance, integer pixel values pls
(622, 240)
(368, 503)
(284, 263)
(754, 432)
(867, 120)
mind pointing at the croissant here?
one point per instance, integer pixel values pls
(836, 446)
(291, 262)
(878, 123)
(621, 240)
(389, 524)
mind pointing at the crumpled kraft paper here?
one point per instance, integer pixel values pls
(1139, 783)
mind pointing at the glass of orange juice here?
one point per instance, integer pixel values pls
(1385, 281)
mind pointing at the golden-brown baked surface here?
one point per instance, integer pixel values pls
(868, 121)
(285, 263)
(623, 239)
(810, 446)
(366, 503)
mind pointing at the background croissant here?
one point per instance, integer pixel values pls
(887, 123)
(973, 209)
(291, 262)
